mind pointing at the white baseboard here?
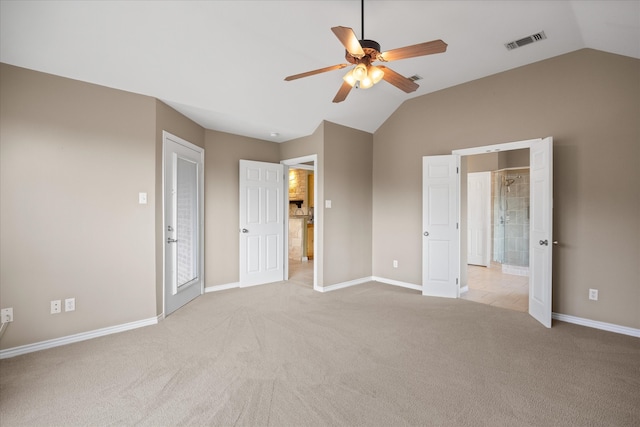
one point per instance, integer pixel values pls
(343, 284)
(83, 336)
(397, 283)
(625, 330)
(221, 287)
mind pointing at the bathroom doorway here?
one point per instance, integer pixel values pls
(497, 219)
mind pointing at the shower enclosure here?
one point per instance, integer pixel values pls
(510, 197)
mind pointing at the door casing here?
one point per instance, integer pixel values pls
(317, 216)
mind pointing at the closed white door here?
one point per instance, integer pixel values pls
(261, 222)
(479, 218)
(541, 230)
(183, 222)
(440, 220)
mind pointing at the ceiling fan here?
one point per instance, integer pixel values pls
(362, 53)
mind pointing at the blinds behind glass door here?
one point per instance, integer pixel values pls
(187, 221)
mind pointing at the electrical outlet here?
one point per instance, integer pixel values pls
(56, 307)
(395, 263)
(6, 315)
(593, 294)
(70, 304)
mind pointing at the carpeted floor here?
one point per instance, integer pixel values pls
(369, 355)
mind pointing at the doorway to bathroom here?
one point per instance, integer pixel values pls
(498, 214)
(444, 200)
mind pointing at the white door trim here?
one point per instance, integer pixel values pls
(296, 162)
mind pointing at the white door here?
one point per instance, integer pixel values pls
(183, 192)
(541, 229)
(478, 218)
(261, 222)
(440, 219)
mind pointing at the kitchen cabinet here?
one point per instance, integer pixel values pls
(310, 241)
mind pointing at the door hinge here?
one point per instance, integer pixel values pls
(457, 224)
(456, 280)
(457, 169)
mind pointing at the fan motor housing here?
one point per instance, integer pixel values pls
(371, 50)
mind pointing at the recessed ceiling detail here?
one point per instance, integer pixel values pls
(526, 40)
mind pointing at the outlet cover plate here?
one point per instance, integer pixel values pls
(56, 306)
(70, 304)
(6, 315)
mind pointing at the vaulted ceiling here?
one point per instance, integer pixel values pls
(223, 63)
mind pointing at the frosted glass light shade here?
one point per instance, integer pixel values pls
(375, 73)
(349, 78)
(360, 72)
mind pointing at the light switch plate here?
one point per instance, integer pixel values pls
(142, 198)
(327, 204)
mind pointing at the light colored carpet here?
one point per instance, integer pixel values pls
(369, 355)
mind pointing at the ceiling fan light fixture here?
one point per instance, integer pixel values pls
(349, 78)
(375, 73)
(360, 72)
(366, 83)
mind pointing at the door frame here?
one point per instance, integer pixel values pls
(177, 140)
(297, 163)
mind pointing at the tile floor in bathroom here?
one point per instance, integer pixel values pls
(489, 285)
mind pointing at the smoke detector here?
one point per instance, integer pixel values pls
(526, 40)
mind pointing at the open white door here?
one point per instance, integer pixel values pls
(440, 219)
(541, 229)
(261, 223)
(183, 236)
(479, 218)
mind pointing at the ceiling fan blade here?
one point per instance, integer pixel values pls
(398, 80)
(427, 48)
(311, 73)
(349, 40)
(342, 92)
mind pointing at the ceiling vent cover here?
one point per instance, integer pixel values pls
(526, 40)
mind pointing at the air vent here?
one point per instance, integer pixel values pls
(414, 78)
(526, 40)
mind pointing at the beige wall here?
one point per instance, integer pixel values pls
(168, 119)
(73, 158)
(344, 176)
(348, 155)
(223, 152)
(589, 102)
(307, 146)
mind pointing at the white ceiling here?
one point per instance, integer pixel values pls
(222, 63)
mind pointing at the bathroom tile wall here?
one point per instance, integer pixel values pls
(511, 217)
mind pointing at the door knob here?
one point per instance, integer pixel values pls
(244, 230)
(170, 240)
(426, 234)
(544, 242)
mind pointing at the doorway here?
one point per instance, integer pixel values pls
(444, 242)
(497, 222)
(302, 222)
